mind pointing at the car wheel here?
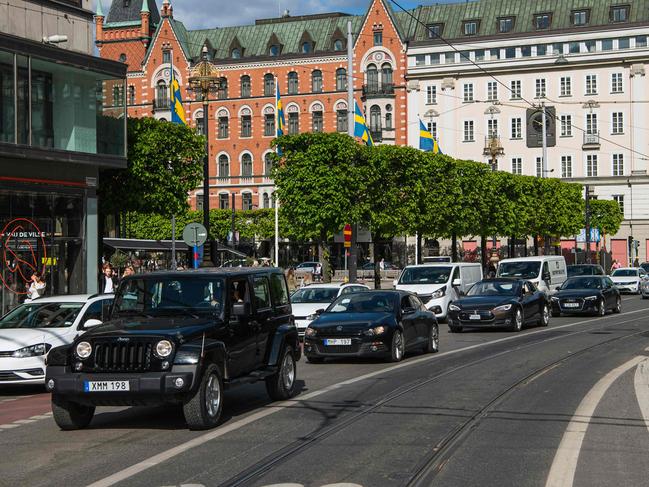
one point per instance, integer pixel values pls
(432, 345)
(601, 308)
(398, 347)
(315, 360)
(544, 320)
(517, 325)
(203, 409)
(70, 415)
(281, 386)
(618, 305)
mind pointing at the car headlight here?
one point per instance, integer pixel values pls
(312, 317)
(32, 351)
(453, 307)
(591, 298)
(377, 330)
(83, 350)
(504, 307)
(439, 293)
(163, 348)
(309, 332)
(554, 298)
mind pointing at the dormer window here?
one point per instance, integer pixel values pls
(542, 21)
(274, 50)
(339, 45)
(434, 31)
(470, 27)
(307, 47)
(236, 53)
(580, 17)
(619, 13)
(166, 56)
(378, 37)
(505, 24)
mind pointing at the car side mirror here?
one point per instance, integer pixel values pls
(408, 310)
(558, 288)
(91, 323)
(546, 276)
(241, 309)
(456, 282)
(319, 311)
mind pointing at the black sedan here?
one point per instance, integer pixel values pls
(586, 295)
(492, 303)
(383, 324)
(585, 270)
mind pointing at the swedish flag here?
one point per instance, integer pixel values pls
(177, 110)
(360, 127)
(426, 141)
(279, 112)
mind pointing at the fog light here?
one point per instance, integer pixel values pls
(165, 365)
(50, 385)
(78, 366)
(508, 321)
(179, 382)
(373, 348)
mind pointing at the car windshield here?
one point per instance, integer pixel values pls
(625, 273)
(41, 315)
(584, 270)
(189, 295)
(314, 295)
(583, 283)
(370, 302)
(426, 275)
(524, 270)
(494, 288)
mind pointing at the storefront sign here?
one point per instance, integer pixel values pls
(23, 253)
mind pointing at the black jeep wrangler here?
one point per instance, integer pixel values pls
(180, 338)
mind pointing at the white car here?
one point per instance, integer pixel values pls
(309, 299)
(30, 330)
(629, 279)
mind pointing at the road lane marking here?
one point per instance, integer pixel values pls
(8, 426)
(641, 385)
(272, 409)
(564, 465)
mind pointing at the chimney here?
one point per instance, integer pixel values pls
(167, 10)
(145, 16)
(99, 23)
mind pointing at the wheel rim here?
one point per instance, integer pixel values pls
(602, 308)
(434, 338)
(288, 371)
(519, 320)
(546, 315)
(213, 395)
(398, 344)
(618, 305)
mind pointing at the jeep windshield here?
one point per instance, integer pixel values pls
(188, 295)
(426, 275)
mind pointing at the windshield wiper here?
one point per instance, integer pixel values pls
(132, 312)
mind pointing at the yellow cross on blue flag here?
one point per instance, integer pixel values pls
(279, 111)
(177, 110)
(360, 127)
(426, 141)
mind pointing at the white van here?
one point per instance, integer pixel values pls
(546, 272)
(437, 285)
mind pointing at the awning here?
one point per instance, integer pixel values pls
(138, 244)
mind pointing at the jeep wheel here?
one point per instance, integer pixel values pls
(203, 409)
(281, 386)
(71, 415)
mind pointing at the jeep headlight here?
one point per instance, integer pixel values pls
(439, 293)
(504, 307)
(163, 348)
(309, 332)
(83, 350)
(32, 351)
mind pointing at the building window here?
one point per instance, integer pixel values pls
(517, 165)
(246, 125)
(542, 21)
(619, 13)
(566, 166)
(274, 50)
(341, 79)
(580, 17)
(161, 95)
(341, 121)
(199, 202)
(372, 78)
(566, 125)
(316, 81)
(505, 24)
(618, 164)
(266, 200)
(224, 201)
(434, 31)
(468, 92)
(591, 165)
(468, 131)
(378, 38)
(526, 51)
(269, 85)
(591, 46)
(317, 121)
(517, 128)
(431, 94)
(339, 45)
(200, 126)
(607, 44)
(566, 86)
(616, 83)
(236, 53)
(245, 87)
(292, 83)
(492, 91)
(166, 56)
(307, 47)
(591, 123)
(542, 50)
(375, 119)
(223, 89)
(470, 27)
(293, 123)
(224, 127)
(539, 167)
(118, 98)
(246, 201)
(122, 58)
(224, 166)
(540, 88)
(591, 84)
(619, 199)
(131, 95)
(515, 87)
(641, 41)
(246, 165)
(624, 43)
(617, 126)
(492, 127)
(269, 124)
(432, 128)
(268, 164)
(386, 75)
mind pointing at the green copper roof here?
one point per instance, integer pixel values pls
(100, 12)
(145, 7)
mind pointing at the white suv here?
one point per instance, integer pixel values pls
(30, 330)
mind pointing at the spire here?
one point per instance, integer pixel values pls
(100, 12)
(167, 9)
(145, 6)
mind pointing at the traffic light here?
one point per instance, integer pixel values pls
(630, 240)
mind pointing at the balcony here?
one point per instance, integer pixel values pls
(161, 104)
(591, 141)
(377, 135)
(378, 90)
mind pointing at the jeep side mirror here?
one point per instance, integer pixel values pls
(408, 311)
(91, 323)
(241, 309)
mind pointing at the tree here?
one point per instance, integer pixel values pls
(606, 216)
(165, 162)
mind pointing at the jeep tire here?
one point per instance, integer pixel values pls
(70, 415)
(281, 385)
(203, 409)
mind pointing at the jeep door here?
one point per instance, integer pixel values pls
(263, 316)
(281, 307)
(242, 334)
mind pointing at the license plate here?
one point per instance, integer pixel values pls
(475, 317)
(571, 305)
(338, 341)
(106, 386)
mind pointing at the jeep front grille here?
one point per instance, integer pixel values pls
(134, 356)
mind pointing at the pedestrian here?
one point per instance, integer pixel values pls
(128, 271)
(108, 282)
(36, 287)
(382, 264)
(306, 279)
(317, 273)
(616, 265)
(290, 279)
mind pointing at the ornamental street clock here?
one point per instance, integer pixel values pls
(535, 127)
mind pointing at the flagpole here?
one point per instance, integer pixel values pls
(275, 198)
(173, 216)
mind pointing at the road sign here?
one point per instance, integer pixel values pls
(594, 235)
(347, 232)
(194, 235)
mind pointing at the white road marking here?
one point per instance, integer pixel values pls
(641, 385)
(564, 465)
(42, 416)
(8, 426)
(235, 425)
(24, 421)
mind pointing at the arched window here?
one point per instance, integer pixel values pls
(245, 86)
(269, 85)
(236, 53)
(307, 47)
(316, 81)
(268, 164)
(372, 78)
(375, 118)
(161, 95)
(266, 200)
(341, 79)
(292, 83)
(388, 117)
(246, 165)
(223, 89)
(246, 201)
(274, 50)
(224, 166)
(386, 74)
(339, 45)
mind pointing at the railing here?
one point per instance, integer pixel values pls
(591, 139)
(161, 104)
(378, 89)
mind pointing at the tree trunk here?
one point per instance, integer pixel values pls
(377, 268)
(483, 253)
(454, 256)
(536, 245)
(323, 257)
(418, 248)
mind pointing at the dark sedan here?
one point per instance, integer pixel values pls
(585, 270)
(383, 324)
(493, 303)
(589, 294)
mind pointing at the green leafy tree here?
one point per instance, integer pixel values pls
(606, 216)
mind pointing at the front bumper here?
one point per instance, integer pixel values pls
(28, 370)
(360, 347)
(589, 306)
(628, 288)
(301, 325)
(489, 319)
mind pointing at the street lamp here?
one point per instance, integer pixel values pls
(493, 148)
(203, 80)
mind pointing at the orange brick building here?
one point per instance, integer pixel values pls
(307, 55)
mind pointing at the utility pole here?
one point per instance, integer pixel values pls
(353, 253)
(544, 165)
(588, 259)
(493, 148)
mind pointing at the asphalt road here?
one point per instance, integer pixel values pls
(566, 405)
